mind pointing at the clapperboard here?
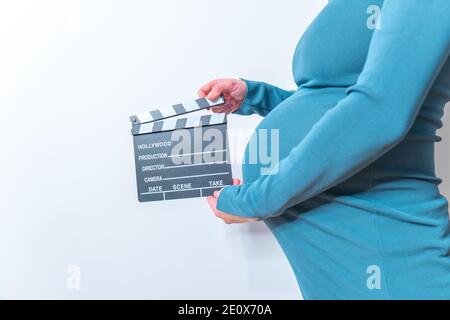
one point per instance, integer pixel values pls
(179, 158)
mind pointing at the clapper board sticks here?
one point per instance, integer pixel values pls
(179, 158)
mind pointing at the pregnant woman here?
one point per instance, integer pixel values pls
(355, 203)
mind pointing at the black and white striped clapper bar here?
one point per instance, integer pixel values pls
(180, 158)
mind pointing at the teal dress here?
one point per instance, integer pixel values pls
(355, 203)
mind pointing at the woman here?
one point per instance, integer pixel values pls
(355, 203)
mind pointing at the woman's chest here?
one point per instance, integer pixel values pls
(333, 51)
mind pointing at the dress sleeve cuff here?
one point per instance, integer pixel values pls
(232, 200)
(248, 107)
(226, 201)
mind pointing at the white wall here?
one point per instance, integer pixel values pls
(443, 155)
(71, 72)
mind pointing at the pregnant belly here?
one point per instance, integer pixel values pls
(406, 170)
(293, 119)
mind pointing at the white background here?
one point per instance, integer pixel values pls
(71, 72)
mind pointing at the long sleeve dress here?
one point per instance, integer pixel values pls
(355, 195)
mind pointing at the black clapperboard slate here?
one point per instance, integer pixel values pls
(158, 177)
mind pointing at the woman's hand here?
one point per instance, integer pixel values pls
(233, 90)
(227, 218)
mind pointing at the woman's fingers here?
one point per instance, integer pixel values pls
(206, 89)
(236, 182)
(233, 90)
(212, 203)
(217, 90)
(220, 109)
(213, 90)
(226, 111)
(227, 218)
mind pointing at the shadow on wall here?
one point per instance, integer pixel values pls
(443, 155)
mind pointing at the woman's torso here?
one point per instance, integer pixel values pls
(400, 188)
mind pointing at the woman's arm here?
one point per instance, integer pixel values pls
(244, 97)
(404, 59)
(261, 98)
